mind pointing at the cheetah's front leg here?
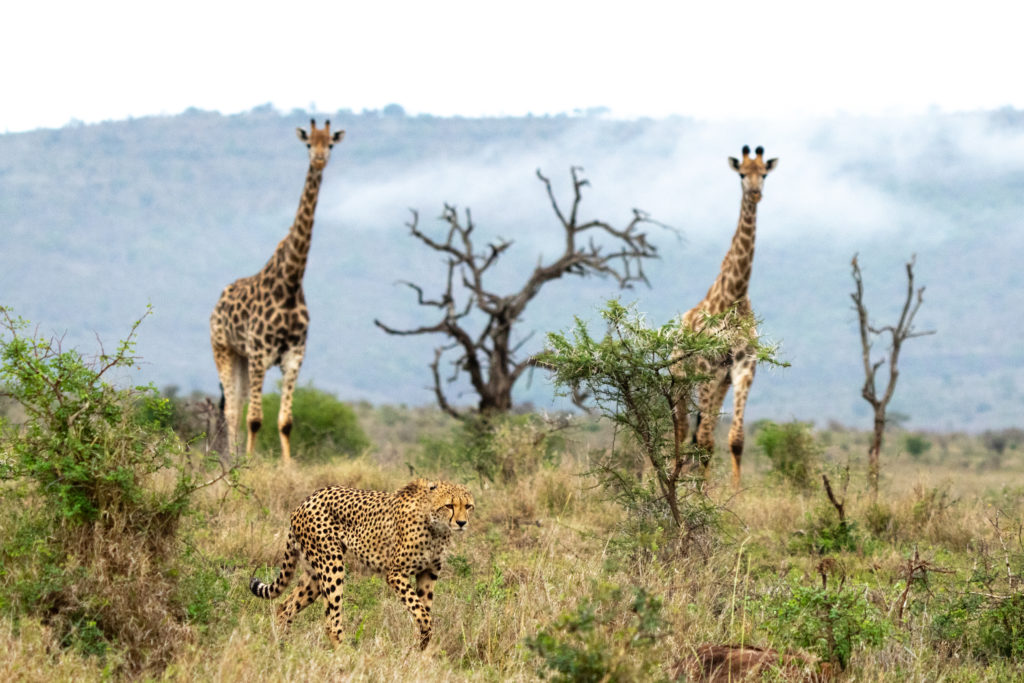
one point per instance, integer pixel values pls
(420, 614)
(425, 581)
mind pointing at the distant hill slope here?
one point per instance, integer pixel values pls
(99, 220)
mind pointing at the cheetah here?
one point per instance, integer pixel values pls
(397, 534)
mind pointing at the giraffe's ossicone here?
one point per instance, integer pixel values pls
(262, 320)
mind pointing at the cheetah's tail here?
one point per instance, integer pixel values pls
(269, 591)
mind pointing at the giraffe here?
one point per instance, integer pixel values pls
(262, 320)
(729, 290)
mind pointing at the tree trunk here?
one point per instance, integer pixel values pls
(874, 452)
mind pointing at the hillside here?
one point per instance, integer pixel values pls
(100, 220)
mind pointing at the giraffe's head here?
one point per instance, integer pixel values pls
(753, 171)
(319, 142)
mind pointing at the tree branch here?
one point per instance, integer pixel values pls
(489, 358)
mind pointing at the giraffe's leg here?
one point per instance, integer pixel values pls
(712, 395)
(241, 391)
(228, 366)
(254, 416)
(400, 584)
(290, 364)
(742, 378)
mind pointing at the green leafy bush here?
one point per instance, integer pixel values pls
(84, 443)
(595, 643)
(916, 445)
(829, 622)
(323, 426)
(985, 626)
(986, 620)
(636, 374)
(95, 486)
(792, 451)
(824, 533)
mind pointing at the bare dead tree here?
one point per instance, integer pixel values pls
(487, 354)
(898, 333)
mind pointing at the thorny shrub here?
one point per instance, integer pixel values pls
(93, 491)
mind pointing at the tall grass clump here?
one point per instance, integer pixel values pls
(93, 492)
(494, 448)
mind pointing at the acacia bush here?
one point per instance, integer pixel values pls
(93, 493)
(985, 618)
(631, 375)
(831, 622)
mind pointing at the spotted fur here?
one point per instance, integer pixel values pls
(262, 320)
(729, 291)
(397, 534)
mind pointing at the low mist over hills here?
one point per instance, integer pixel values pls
(99, 220)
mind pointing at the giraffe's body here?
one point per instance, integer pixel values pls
(262, 320)
(729, 291)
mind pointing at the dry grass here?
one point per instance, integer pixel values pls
(540, 545)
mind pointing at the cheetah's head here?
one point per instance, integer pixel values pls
(450, 503)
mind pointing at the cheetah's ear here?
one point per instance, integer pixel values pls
(433, 485)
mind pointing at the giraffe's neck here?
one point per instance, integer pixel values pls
(734, 276)
(289, 260)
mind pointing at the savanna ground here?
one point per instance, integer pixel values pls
(555, 579)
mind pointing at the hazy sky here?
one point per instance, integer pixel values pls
(101, 60)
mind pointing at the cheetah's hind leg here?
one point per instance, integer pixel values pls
(301, 597)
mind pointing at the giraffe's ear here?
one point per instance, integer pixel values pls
(771, 164)
(337, 136)
(734, 163)
(303, 135)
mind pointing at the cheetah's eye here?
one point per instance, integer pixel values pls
(450, 506)
(469, 506)
(743, 175)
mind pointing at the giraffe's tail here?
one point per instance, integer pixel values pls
(269, 591)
